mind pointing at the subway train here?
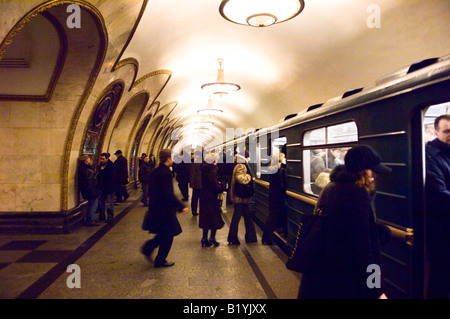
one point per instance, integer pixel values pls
(392, 116)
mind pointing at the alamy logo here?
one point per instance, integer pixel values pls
(374, 279)
(74, 19)
(74, 279)
(374, 19)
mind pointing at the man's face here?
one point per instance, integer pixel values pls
(443, 134)
(103, 160)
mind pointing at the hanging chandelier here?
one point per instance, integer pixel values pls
(220, 87)
(260, 13)
(203, 124)
(210, 110)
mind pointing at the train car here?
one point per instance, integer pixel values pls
(392, 116)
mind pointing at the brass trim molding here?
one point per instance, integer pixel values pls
(406, 235)
(104, 93)
(103, 42)
(136, 122)
(60, 60)
(103, 39)
(119, 62)
(129, 61)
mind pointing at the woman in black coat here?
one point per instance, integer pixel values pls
(277, 198)
(210, 216)
(349, 232)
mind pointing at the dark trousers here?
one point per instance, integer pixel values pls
(106, 202)
(145, 193)
(164, 242)
(195, 198)
(121, 193)
(276, 218)
(250, 232)
(184, 189)
(269, 226)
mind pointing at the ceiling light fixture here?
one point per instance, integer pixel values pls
(209, 110)
(220, 86)
(260, 13)
(203, 124)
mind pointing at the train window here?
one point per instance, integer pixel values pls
(342, 133)
(431, 114)
(318, 162)
(315, 137)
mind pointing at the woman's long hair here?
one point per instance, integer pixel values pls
(366, 179)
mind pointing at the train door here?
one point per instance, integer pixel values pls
(435, 241)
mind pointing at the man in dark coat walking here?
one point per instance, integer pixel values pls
(438, 209)
(163, 204)
(121, 169)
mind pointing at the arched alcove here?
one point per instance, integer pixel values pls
(36, 140)
(100, 118)
(121, 136)
(135, 146)
(31, 64)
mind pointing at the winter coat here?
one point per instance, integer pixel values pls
(145, 170)
(351, 242)
(106, 178)
(210, 216)
(87, 183)
(277, 186)
(438, 196)
(163, 203)
(182, 171)
(195, 175)
(121, 169)
(242, 175)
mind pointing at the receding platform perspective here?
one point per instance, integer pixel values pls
(111, 265)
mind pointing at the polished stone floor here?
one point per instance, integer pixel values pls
(111, 265)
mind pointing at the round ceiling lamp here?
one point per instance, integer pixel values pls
(203, 124)
(220, 87)
(210, 110)
(260, 13)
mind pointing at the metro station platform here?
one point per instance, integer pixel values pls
(112, 267)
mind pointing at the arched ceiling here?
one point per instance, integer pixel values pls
(282, 69)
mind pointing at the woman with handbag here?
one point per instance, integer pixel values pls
(347, 237)
(241, 194)
(210, 215)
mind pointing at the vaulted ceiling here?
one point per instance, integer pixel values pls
(329, 48)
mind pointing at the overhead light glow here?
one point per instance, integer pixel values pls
(260, 13)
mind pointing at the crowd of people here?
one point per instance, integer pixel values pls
(106, 185)
(353, 237)
(212, 181)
